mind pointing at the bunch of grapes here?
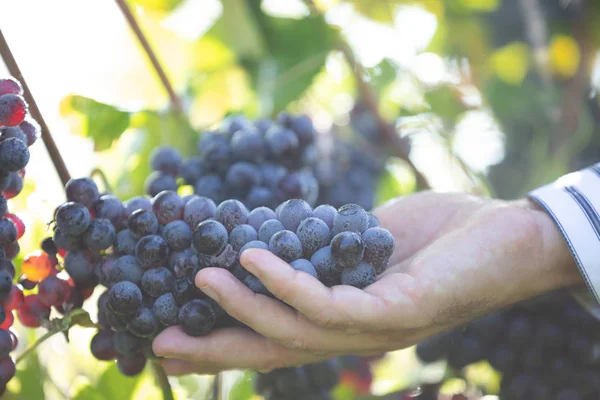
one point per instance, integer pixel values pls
(147, 252)
(545, 348)
(308, 382)
(18, 131)
(260, 164)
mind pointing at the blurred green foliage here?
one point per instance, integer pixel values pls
(531, 76)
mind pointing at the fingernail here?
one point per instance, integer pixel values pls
(210, 292)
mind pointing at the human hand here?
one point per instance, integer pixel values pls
(457, 257)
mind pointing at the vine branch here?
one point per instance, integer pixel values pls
(34, 346)
(15, 71)
(135, 27)
(371, 101)
(162, 380)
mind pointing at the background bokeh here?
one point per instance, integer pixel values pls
(488, 91)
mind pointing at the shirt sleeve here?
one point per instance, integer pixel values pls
(573, 201)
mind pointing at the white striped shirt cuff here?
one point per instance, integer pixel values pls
(573, 201)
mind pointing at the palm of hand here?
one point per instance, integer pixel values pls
(456, 256)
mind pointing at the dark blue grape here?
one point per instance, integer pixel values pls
(124, 298)
(72, 218)
(137, 203)
(83, 191)
(198, 209)
(248, 145)
(125, 268)
(242, 234)
(192, 170)
(259, 215)
(268, 229)
(157, 281)
(144, 324)
(210, 237)
(14, 154)
(261, 196)
(184, 291)
(347, 249)
(131, 365)
(286, 245)
(178, 235)
(152, 251)
(80, 265)
(197, 317)
(379, 246)
(142, 223)
(329, 272)
(111, 208)
(305, 266)
(124, 243)
(126, 343)
(66, 242)
(242, 176)
(211, 186)
(325, 213)
(314, 235)
(182, 263)
(350, 218)
(159, 181)
(292, 212)
(283, 144)
(360, 276)
(373, 221)
(166, 310)
(100, 235)
(231, 213)
(166, 160)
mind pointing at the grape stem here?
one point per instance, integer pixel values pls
(34, 346)
(135, 27)
(15, 71)
(370, 100)
(162, 380)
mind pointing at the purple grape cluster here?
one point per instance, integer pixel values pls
(546, 348)
(147, 252)
(311, 381)
(259, 163)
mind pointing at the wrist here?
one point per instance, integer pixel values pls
(555, 263)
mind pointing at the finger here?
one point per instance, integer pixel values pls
(341, 307)
(272, 318)
(225, 349)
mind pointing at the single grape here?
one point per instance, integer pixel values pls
(347, 249)
(144, 324)
(282, 143)
(242, 234)
(165, 159)
(142, 223)
(80, 265)
(268, 229)
(373, 221)
(314, 235)
(31, 129)
(192, 170)
(115, 321)
(327, 269)
(231, 213)
(301, 125)
(157, 281)
(131, 365)
(53, 291)
(379, 246)
(293, 212)
(158, 181)
(32, 312)
(304, 266)
(198, 209)
(12, 250)
(152, 251)
(72, 218)
(125, 243)
(210, 237)
(197, 317)
(111, 208)
(325, 213)
(102, 345)
(360, 276)
(166, 310)
(83, 191)
(14, 299)
(167, 206)
(259, 215)
(7, 370)
(13, 109)
(13, 132)
(137, 203)
(350, 218)
(125, 268)
(178, 235)
(100, 235)
(10, 86)
(125, 298)
(299, 185)
(8, 232)
(254, 244)
(286, 245)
